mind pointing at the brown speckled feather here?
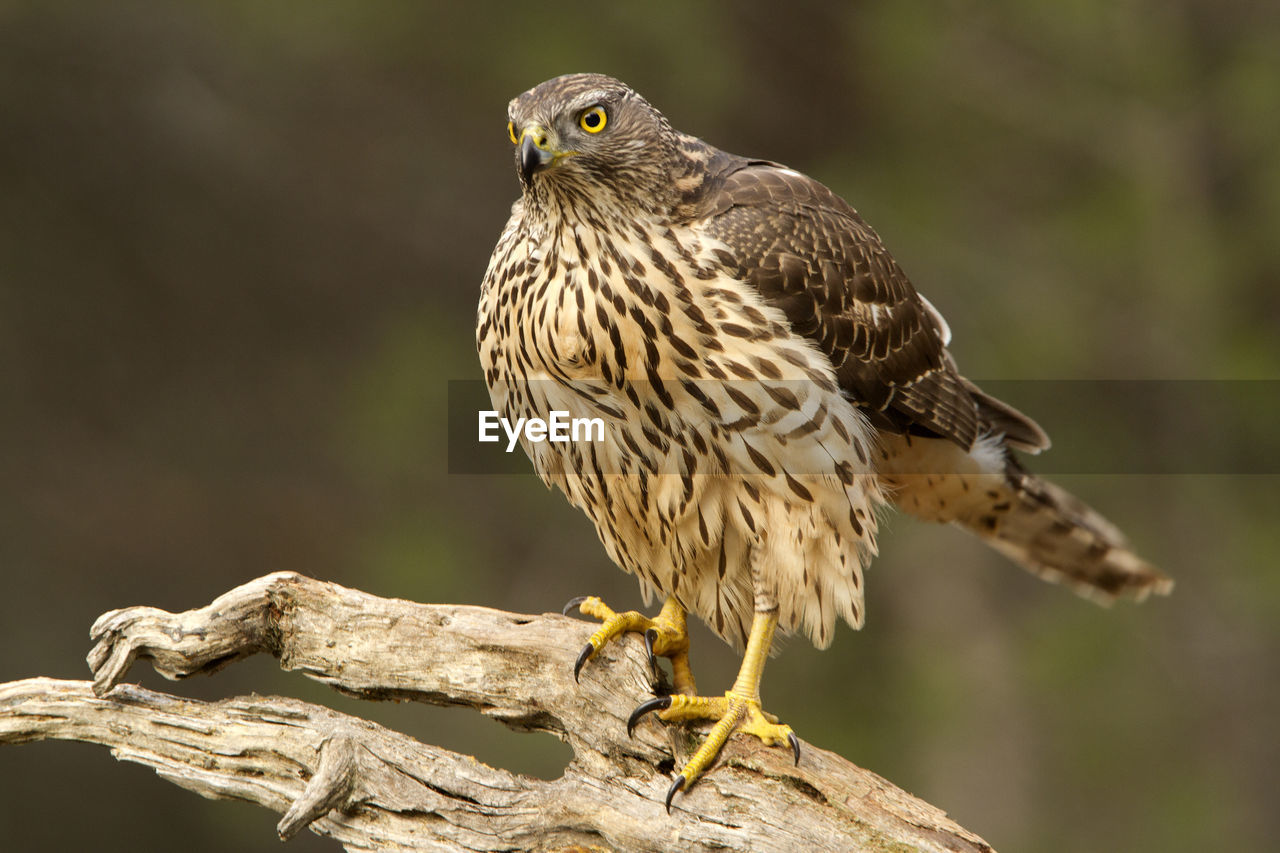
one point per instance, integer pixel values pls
(811, 255)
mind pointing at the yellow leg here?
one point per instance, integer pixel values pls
(737, 709)
(665, 635)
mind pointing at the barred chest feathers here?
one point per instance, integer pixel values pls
(726, 441)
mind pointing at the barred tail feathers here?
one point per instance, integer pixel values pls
(1053, 534)
(1033, 522)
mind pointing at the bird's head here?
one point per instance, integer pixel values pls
(588, 138)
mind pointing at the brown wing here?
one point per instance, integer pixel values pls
(809, 254)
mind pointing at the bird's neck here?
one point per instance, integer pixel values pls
(562, 206)
(697, 170)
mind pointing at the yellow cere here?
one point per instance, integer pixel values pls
(511, 131)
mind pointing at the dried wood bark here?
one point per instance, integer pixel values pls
(375, 789)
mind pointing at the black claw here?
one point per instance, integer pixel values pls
(573, 602)
(583, 656)
(795, 746)
(649, 636)
(658, 704)
(676, 787)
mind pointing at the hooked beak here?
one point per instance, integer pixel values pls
(535, 152)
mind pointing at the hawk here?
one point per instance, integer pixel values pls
(769, 379)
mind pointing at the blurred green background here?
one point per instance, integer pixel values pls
(240, 251)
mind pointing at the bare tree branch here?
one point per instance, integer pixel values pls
(372, 788)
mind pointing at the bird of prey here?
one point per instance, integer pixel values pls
(768, 379)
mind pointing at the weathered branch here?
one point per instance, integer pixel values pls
(372, 788)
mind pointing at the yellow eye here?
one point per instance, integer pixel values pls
(511, 131)
(593, 120)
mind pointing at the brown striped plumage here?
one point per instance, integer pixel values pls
(733, 317)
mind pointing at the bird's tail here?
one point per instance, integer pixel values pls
(1052, 533)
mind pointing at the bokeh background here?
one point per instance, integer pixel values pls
(240, 251)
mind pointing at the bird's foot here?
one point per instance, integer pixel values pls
(665, 635)
(732, 711)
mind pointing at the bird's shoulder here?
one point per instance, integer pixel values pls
(809, 253)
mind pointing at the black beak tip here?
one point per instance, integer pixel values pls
(531, 158)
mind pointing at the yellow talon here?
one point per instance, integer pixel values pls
(738, 709)
(730, 711)
(665, 635)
